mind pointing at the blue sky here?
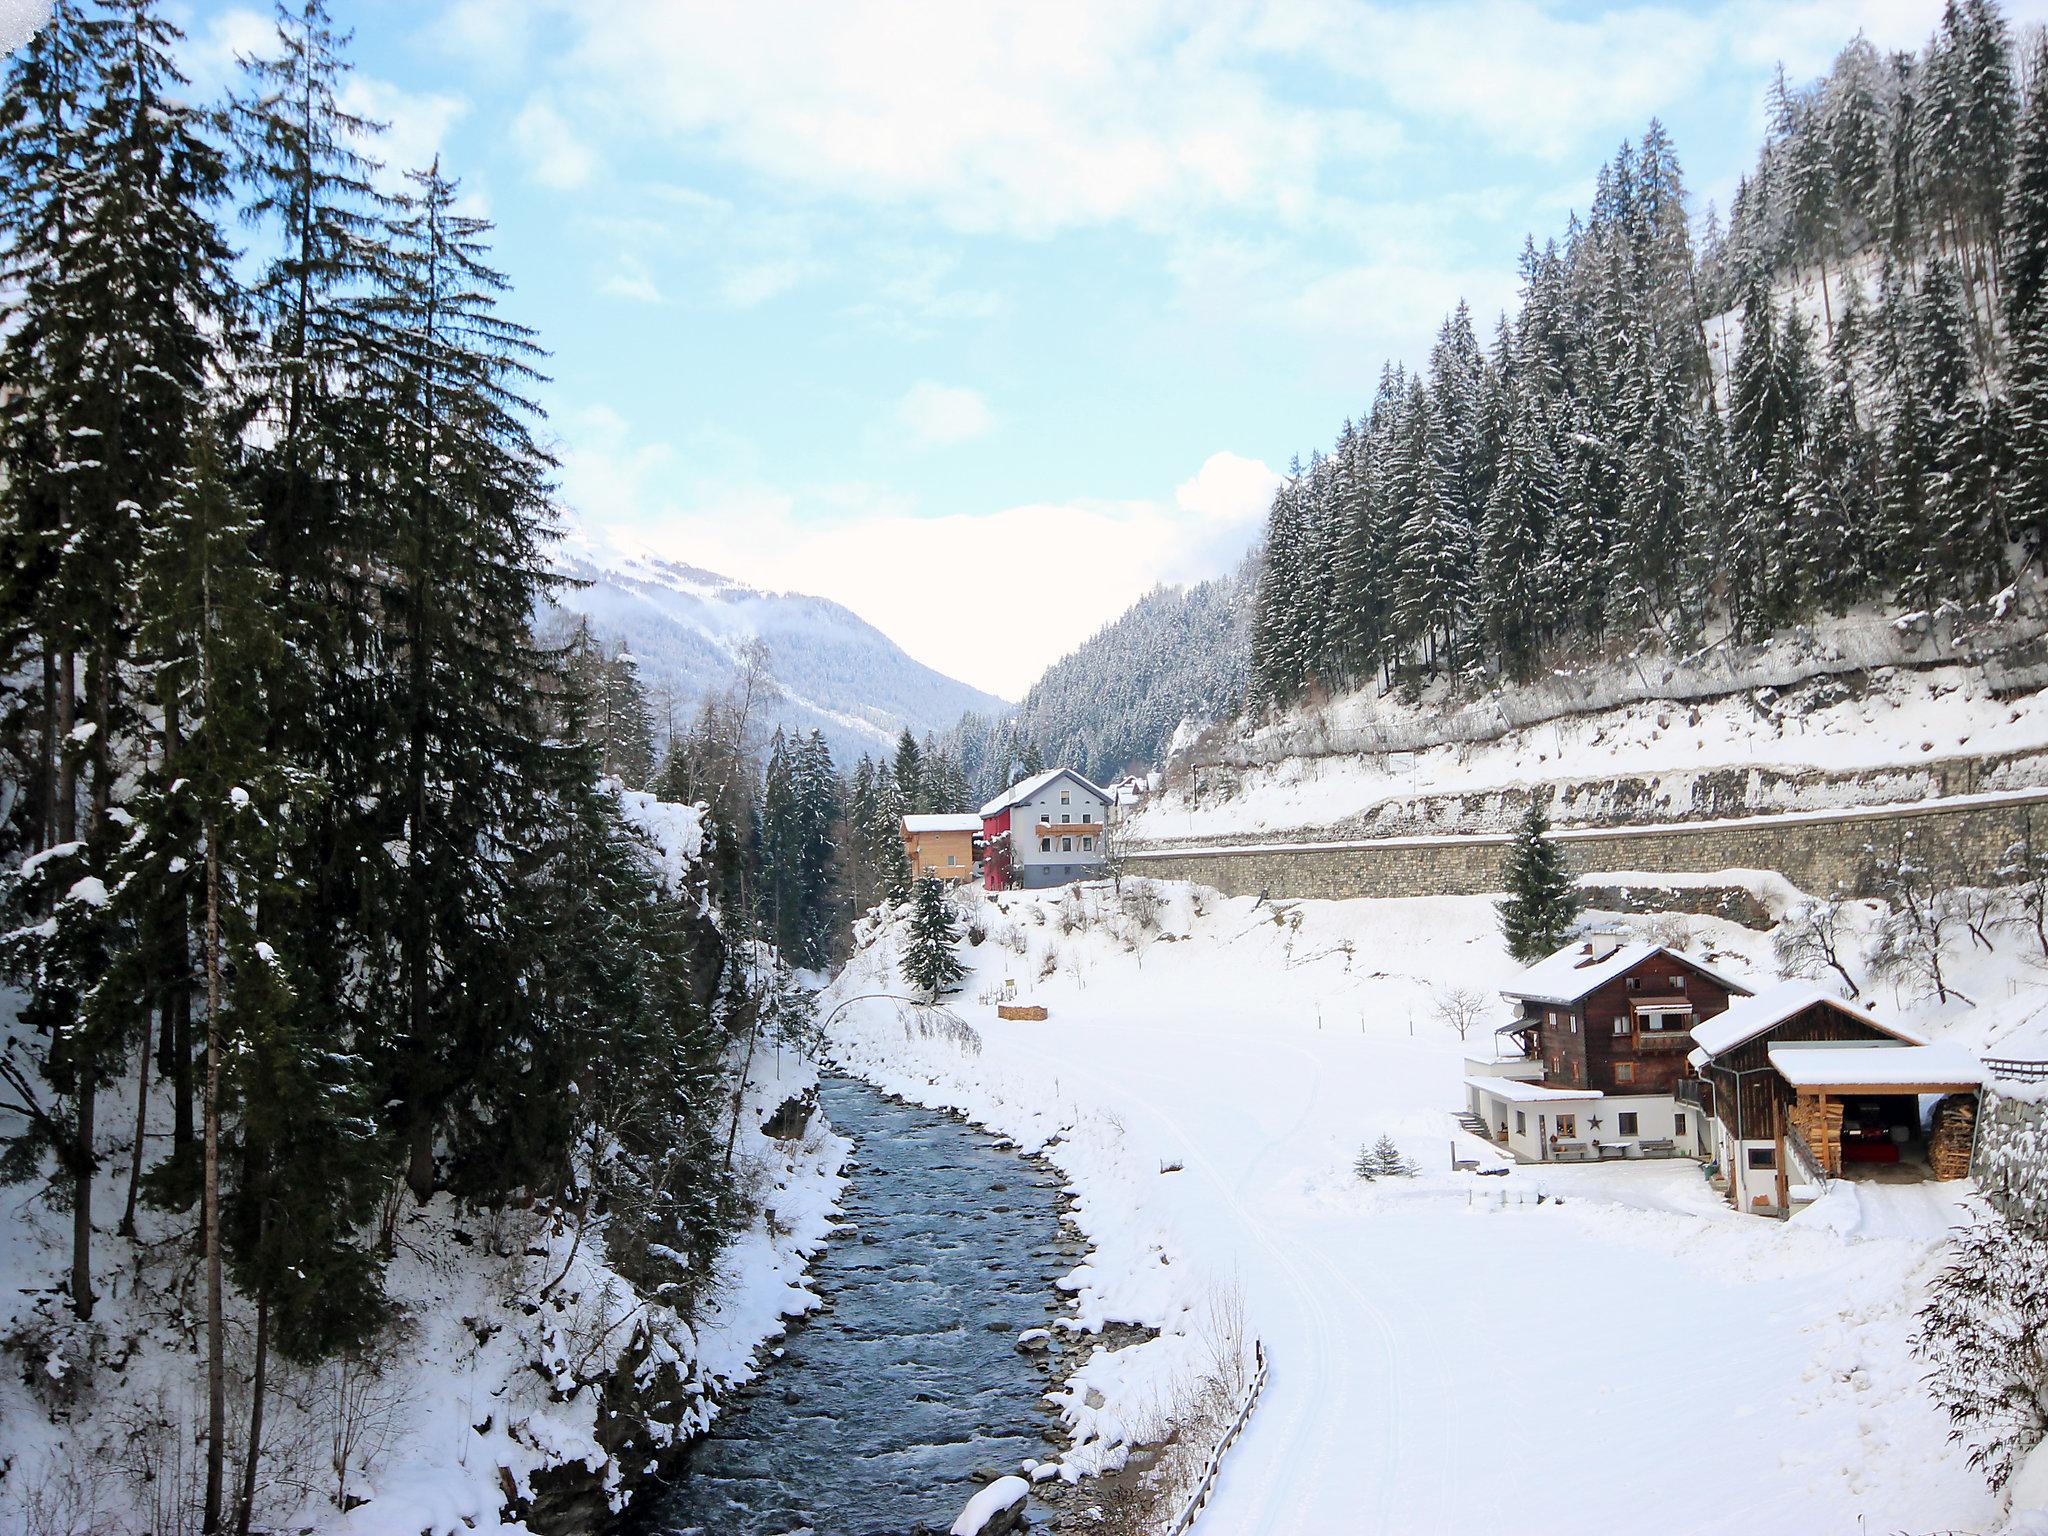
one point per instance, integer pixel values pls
(877, 300)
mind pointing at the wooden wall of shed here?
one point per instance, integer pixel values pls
(1762, 1089)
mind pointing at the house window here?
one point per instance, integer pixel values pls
(1575, 1023)
(1625, 1122)
(1045, 845)
(1086, 817)
(1066, 845)
(1635, 983)
(1763, 1157)
(1567, 1126)
(1521, 1123)
(1087, 844)
(1678, 983)
(951, 860)
(1624, 1071)
(1621, 1023)
(1063, 797)
(1064, 820)
(1678, 1125)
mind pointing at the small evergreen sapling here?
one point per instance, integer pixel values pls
(1543, 900)
(1383, 1160)
(929, 963)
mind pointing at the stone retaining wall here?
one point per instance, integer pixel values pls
(1816, 851)
(2011, 1158)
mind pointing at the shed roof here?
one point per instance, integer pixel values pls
(1943, 1067)
(1024, 789)
(1750, 1017)
(942, 823)
(1571, 973)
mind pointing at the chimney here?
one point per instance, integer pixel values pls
(1602, 944)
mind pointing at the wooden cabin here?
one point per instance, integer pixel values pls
(1614, 1016)
(1804, 1086)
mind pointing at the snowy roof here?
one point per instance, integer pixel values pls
(947, 823)
(1517, 1092)
(1024, 789)
(1750, 1017)
(1571, 973)
(1814, 1065)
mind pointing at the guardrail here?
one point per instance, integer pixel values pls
(2014, 1070)
(1206, 1484)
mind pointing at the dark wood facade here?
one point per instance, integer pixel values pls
(1748, 1092)
(1606, 1040)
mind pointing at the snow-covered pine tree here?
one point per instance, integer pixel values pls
(929, 963)
(1543, 900)
(464, 776)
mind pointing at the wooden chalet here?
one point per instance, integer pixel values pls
(1615, 1016)
(1597, 1053)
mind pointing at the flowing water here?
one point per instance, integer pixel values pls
(890, 1406)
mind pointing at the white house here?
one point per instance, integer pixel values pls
(1046, 830)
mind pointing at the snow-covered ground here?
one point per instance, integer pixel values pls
(1567, 1348)
(1901, 719)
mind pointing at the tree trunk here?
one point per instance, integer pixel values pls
(46, 811)
(141, 1120)
(67, 761)
(254, 1453)
(419, 1169)
(209, 1219)
(182, 1128)
(81, 1191)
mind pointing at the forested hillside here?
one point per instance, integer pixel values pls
(317, 906)
(1113, 705)
(1580, 482)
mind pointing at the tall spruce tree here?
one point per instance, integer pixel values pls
(1543, 899)
(929, 962)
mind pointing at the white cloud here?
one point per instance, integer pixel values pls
(417, 123)
(867, 548)
(630, 279)
(556, 155)
(1024, 118)
(938, 415)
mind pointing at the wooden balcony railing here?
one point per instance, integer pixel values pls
(1664, 1040)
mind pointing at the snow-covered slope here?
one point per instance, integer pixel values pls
(835, 672)
(1449, 1353)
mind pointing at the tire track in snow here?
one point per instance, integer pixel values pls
(1310, 1430)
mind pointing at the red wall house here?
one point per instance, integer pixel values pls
(995, 850)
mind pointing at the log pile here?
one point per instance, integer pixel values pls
(1019, 1011)
(1953, 1135)
(1819, 1124)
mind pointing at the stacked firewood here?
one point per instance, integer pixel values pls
(1954, 1133)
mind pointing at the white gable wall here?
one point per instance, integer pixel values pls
(1032, 865)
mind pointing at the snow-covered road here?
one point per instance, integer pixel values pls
(1447, 1353)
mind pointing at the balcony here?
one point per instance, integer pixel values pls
(1652, 1041)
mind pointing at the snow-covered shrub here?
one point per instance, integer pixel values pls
(1142, 901)
(931, 1022)
(1812, 940)
(1984, 1333)
(1910, 946)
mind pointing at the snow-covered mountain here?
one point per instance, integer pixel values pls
(834, 672)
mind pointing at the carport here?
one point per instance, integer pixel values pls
(1861, 1109)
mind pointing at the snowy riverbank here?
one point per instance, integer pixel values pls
(1447, 1352)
